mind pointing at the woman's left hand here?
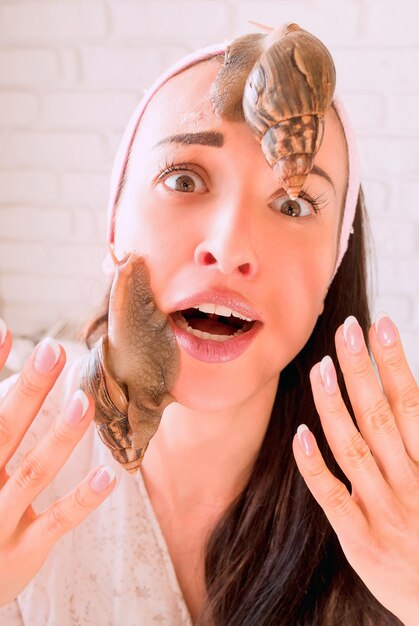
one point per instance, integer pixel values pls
(378, 523)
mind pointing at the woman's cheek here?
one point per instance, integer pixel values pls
(299, 298)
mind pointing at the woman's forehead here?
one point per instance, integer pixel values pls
(183, 103)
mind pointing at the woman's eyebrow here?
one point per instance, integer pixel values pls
(216, 139)
(204, 138)
(319, 172)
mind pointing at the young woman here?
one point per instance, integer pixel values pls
(218, 525)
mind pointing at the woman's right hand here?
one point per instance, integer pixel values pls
(25, 536)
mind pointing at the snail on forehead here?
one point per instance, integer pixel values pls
(281, 84)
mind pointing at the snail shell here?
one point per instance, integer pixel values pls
(286, 93)
(130, 371)
(111, 409)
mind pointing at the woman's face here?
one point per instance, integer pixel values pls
(214, 226)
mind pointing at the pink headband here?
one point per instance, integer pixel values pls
(121, 159)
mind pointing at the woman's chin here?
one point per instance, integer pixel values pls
(208, 389)
(211, 389)
(197, 396)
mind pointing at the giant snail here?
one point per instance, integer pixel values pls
(131, 369)
(281, 84)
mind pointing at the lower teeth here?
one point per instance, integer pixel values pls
(203, 335)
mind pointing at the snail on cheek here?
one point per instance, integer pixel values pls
(131, 369)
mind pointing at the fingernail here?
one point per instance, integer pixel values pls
(102, 479)
(77, 408)
(3, 331)
(386, 332)
(352, 332)
(328, 375)
(47, 355)
(306, 439)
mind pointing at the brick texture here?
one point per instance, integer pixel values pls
(37, 22)
(196, 23)
(28, 66)
(71, 71)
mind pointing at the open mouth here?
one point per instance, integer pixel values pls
(209, 321)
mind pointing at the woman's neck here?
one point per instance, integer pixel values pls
(197, 459)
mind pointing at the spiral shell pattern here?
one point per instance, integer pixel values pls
(111, 416)
(131, 369)
(286, 93)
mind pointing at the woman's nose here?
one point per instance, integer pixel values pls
(228, 244)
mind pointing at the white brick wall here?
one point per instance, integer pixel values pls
(28, 66)
(71, 71)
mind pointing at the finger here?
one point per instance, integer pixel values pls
(25, 398)
(5, 343)
(346, 442)
(373, 413)
(398, 381)
(41, 464)
(342, 512)
(65, 514)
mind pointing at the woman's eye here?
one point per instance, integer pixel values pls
(186, 183)
(293, 208)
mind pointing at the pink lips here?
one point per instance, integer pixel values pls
(214, 351)
(209, 350)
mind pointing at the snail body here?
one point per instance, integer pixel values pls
(285, 95)
(132, 368)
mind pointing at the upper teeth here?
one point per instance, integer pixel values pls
(207, 307)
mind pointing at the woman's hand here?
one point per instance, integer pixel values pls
(378, 523)
(25, 537)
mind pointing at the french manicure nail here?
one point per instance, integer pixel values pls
(102, 479)
(385, 329)
(352, 332)
(77, 408)
(306, 439)
(328, 375)
(3, 331)
(46, 355)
